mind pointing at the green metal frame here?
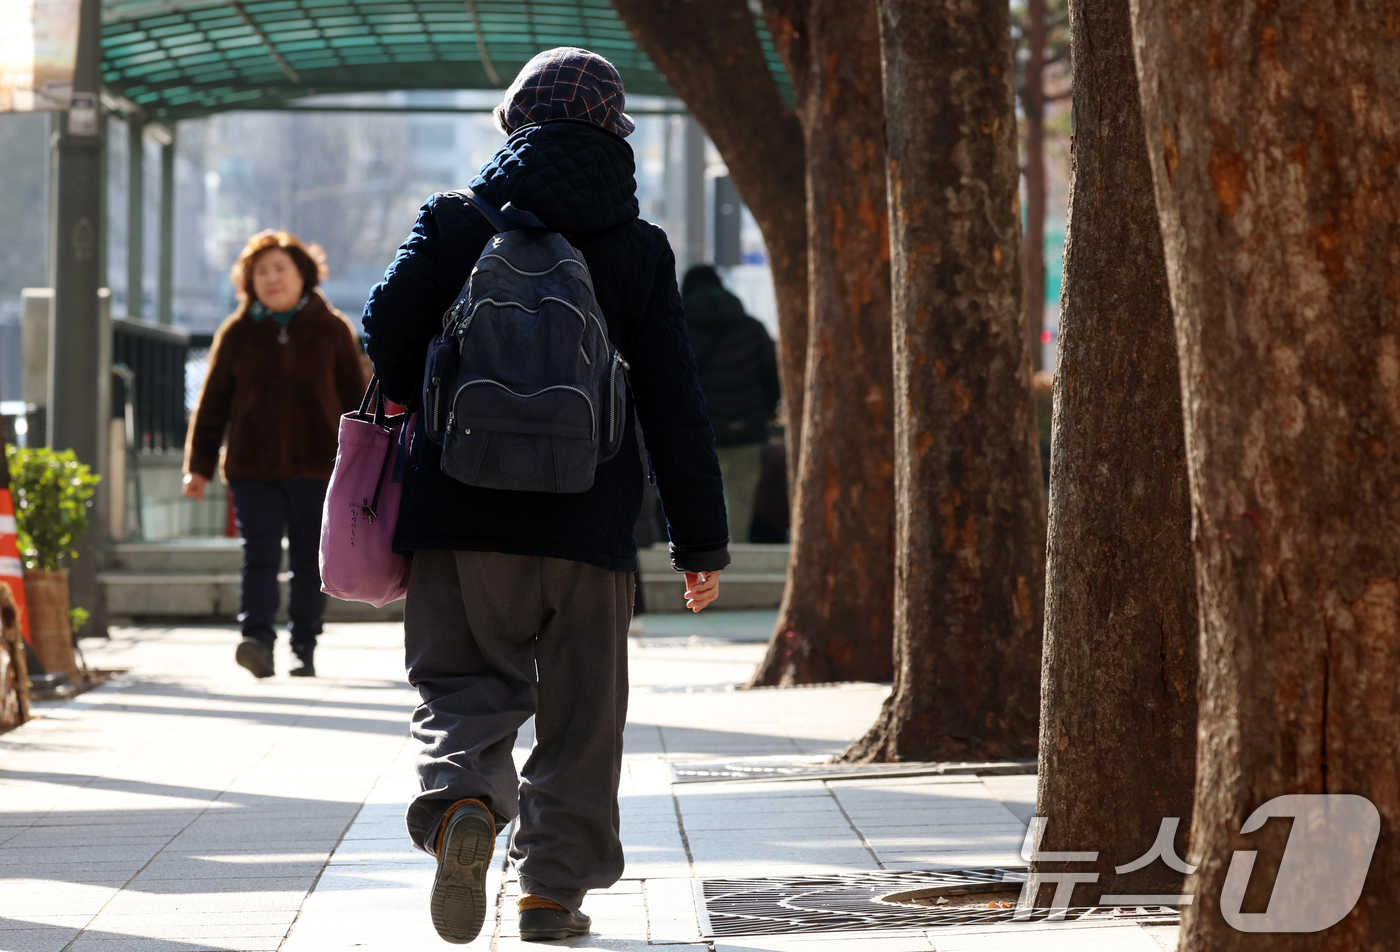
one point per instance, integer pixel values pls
(176, 59)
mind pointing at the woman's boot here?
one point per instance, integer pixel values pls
(305, 654)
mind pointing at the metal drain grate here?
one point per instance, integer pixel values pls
(857, 903)
(808, 768)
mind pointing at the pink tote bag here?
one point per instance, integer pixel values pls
(358, 563)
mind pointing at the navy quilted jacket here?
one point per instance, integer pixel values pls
(578, 178)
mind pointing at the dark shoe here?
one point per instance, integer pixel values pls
(542, 920)
(256, 656)
(308, 666)
(464, 847)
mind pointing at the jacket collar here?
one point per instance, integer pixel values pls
(576, 176)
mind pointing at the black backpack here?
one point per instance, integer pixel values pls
(522, 389)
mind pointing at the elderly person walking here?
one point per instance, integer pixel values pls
(282, 369)
(519, 602)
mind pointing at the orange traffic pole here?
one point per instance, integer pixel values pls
(11, 568)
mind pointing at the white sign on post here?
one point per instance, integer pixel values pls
(38, 48)
(82, 118)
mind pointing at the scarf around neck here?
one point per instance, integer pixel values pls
(259, 311)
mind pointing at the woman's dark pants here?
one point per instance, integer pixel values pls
(267, 510)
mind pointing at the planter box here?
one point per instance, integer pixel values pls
(46, 591)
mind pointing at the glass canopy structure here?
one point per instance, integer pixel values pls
(175, 59)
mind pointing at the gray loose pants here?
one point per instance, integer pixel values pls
(491, 639)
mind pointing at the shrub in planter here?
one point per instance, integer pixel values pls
(52, 493)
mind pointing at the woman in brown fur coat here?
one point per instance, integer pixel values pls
(282, 370)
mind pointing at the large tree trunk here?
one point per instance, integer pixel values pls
(1033, 106)
(835, 619)
(971, 510)
(1272, 131)
(1118, 691)
(709, 53)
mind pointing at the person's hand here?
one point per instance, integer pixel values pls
(193, 486)
(701, 588)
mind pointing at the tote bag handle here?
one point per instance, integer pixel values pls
(388, 423)
(373, 392)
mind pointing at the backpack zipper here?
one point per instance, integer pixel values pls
(592, 414)
(437, 401)
(452, 313)
(602, 332)
(612, 397)
(461, 331)
(534, 274)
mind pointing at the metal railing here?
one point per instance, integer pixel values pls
(155, 355)
(196, 366)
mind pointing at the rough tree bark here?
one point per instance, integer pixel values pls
(709, 53)
(1118, 686)
(835, 619)
(1272, 131)
(970, 507)
(1033, 106)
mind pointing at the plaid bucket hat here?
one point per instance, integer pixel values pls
(566, 83)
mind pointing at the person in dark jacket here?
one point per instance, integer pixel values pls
(282, 369)
(739, 374)
(519, 602)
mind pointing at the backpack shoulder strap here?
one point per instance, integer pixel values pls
(520, 218)
(508, 218)
(488, 211)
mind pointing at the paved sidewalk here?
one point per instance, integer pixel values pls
(185, 806)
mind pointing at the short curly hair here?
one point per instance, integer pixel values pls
(309, 259)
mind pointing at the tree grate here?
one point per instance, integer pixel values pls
(860, 902)
(808, 768)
